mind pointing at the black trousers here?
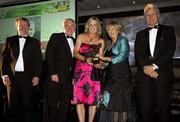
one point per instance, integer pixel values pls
(154, 96)
(57, 101)
(21, 98)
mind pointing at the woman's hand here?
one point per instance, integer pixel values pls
(106, 59)
(101, 57)
(89, 60)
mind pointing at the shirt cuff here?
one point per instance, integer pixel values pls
(155, 66)
(4, 76)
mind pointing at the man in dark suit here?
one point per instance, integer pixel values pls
(59, 58)
(154, 49)
(21, 69)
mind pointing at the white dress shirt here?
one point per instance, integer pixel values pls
(152, 43)
(71, 45)
(20, 62)
(152, 40)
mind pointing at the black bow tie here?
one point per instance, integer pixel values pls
(155, 27)
(22, 36)
(69, 37)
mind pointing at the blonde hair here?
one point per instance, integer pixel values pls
(150, 6)
(98, 25)
(115, 24)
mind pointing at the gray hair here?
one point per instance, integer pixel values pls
(151, 6)
(69, 19)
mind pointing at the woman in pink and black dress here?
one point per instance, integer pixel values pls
(87, 90)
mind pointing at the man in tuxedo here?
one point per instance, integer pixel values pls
(60, 63)
(21, 69)
(154, 49)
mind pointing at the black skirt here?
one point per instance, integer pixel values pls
(116, 94)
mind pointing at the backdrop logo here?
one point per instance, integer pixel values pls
(39, 9)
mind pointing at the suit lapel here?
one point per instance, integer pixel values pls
(146, 43)
(66, 44)
(74, 41)
(158, 42)
(26, 43)
(15, 47)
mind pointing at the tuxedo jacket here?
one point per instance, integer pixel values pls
(59, 58)
(163, 52)
(32, 57)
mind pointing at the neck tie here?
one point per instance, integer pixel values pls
(22, 36)
(155, 27)
(69, 37)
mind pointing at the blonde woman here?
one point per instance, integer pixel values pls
(87, 90)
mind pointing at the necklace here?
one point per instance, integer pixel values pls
(91, 39)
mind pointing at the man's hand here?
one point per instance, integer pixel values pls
(35, 81)
(55, 78)
(73, 81)
(149, 70)
(6, 80)
(153, 74)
